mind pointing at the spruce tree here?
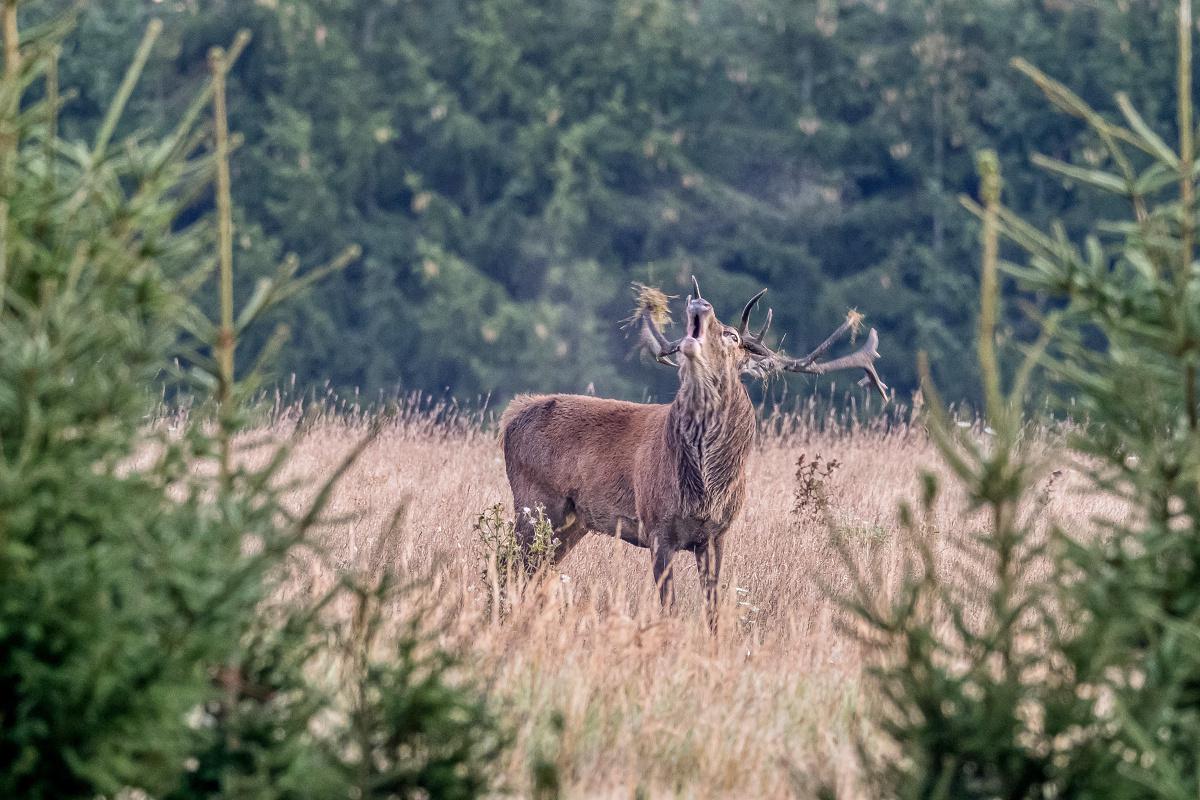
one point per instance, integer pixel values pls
(143, 645)
(1056, 658)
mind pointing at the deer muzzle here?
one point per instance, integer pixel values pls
(699, 315)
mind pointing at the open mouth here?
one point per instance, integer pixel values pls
(698, 312)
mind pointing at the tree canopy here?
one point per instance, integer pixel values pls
(510, 166)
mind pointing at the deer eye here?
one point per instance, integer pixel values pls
(732, 334)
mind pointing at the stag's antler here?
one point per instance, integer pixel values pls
(659, 346)
(863, 358)
(753, 342)
(652, 303)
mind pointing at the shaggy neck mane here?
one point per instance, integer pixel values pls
(707, 428)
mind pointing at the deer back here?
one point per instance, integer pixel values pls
(586, 448)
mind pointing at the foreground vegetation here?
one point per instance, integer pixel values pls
(1078, 678)
(602, 691)
(145, 649)
(196, 606)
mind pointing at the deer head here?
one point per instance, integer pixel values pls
(710, 351)
(716, 353)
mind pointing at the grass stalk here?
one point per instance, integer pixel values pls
(180, 136)
(1187, 198)
(1186, 145)
(226, 336)
(989, 290)
(52, 101)
(109, 126)
(12, 40)
(8, 144)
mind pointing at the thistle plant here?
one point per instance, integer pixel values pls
(507, 564)
(496, 536)
(811, 496)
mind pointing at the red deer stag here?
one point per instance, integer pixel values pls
(668, 477)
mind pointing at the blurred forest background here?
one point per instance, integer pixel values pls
(510, 166)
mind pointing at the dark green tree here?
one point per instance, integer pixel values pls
(141, 644)
(509, 167)
(999, 682)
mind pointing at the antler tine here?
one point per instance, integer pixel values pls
(830, 340)
(753, 342)
(863, 358)
(744, 325)
(650, 303)
(659, 345)
(763, 330)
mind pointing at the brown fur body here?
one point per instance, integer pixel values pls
(668, 477)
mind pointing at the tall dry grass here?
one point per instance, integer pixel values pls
(592, 676)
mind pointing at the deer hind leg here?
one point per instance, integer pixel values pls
(663, 553)
(569, 530)
(708, 567)
(559, 512)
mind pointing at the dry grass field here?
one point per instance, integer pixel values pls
(592, 676)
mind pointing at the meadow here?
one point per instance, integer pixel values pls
(592, 676)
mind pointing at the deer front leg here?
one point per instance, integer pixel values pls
(708, 567)
(663, 553)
